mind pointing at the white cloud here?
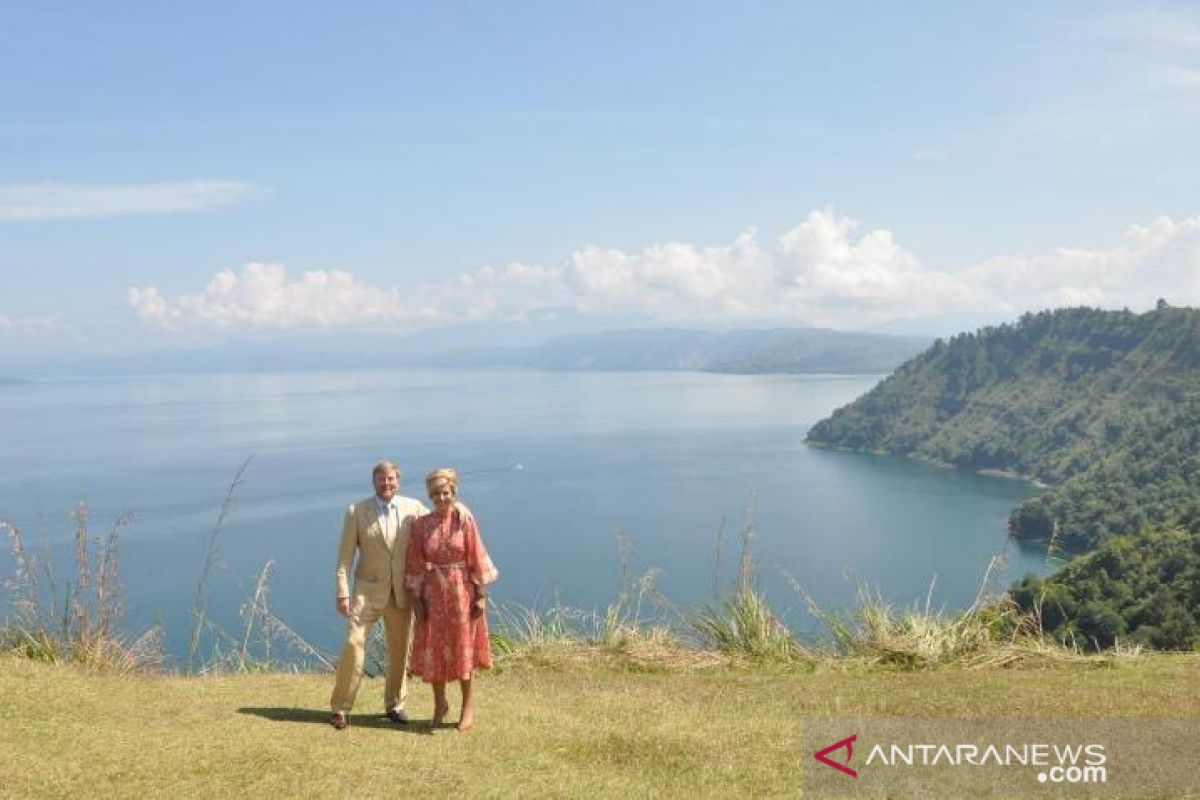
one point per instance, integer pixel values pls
(261, 296)
(1151, 28)
(508, 292)
(1161, 259)
(826, 267)
(45, 201)
(27, 326)
(1122, 82)
(1157, 57)
(820, 272)
(815, 273)
(673, 279)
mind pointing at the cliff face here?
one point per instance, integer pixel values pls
(1104, 406)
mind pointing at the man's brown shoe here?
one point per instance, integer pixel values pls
(339, 720)
(398, 716)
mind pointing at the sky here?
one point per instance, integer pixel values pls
(181, 173)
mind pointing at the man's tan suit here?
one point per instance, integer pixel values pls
(378, 592)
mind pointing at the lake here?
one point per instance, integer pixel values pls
(553, 463)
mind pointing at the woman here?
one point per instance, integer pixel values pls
(447, 573)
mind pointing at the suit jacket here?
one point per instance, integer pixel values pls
(381, 553)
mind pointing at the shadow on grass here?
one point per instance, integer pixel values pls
(309, 715)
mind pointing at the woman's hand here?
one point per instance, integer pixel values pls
(478, 607)
(420, 610)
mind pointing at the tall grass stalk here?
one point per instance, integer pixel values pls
(199, 610)
(79, 622)
(718, 557)
(744, 624)
(84, 629)
(992, 632)
(1056, 557)
(746, 579)
(255, 649)
(520, 627)
(638, 596)
(624, 622)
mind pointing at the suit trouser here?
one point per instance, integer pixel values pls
(397, 627)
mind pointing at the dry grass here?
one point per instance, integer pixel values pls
(745, 625)
(581, 704)
(633, 632)
(877, 633)
(584, 728)
(991, 633)
(78, 621)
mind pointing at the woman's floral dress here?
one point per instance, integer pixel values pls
(445, 562)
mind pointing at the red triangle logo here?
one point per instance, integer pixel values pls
(841, 766)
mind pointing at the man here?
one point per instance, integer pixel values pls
(378, 529)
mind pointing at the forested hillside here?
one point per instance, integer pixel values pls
(1143, 588)
(1103, 406)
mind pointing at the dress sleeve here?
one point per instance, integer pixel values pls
(414, 557)
(479, 564)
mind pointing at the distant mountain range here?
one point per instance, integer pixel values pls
(794, 350)
(1103, 406)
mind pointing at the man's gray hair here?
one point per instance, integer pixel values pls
(385, 466)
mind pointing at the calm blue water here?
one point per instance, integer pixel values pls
(553, 464)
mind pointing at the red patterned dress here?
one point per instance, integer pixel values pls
(446, 560)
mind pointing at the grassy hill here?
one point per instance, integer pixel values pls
(549, 727)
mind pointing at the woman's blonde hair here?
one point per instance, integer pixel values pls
(440, 476)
